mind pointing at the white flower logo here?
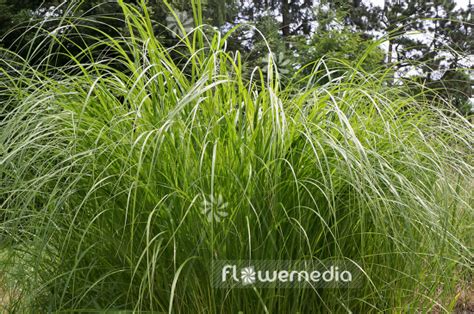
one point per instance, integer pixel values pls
(248, 275)
(213, 208)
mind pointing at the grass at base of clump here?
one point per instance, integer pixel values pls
(106, 175)
(15, 275)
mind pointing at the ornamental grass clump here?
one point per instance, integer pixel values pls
(123, 178)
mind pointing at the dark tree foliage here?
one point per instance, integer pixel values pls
(437, 53)
(293, 27)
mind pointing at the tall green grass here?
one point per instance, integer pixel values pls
(106, 167)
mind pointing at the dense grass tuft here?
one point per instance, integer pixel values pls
(106, 165)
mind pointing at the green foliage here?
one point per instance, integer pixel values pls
(345, 45)
(303, 31)
(455, 88)
(432, 37)
(5, 12)
(106, 171)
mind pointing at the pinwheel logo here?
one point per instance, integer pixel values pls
(248, 275)
(213, 208)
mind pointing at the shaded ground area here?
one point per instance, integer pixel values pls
(465, 302)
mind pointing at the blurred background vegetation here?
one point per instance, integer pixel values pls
(428, 42)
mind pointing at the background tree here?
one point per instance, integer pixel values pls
(427, 41)
(431, 40)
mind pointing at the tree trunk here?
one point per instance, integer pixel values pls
(285, 11)
(307, 4)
